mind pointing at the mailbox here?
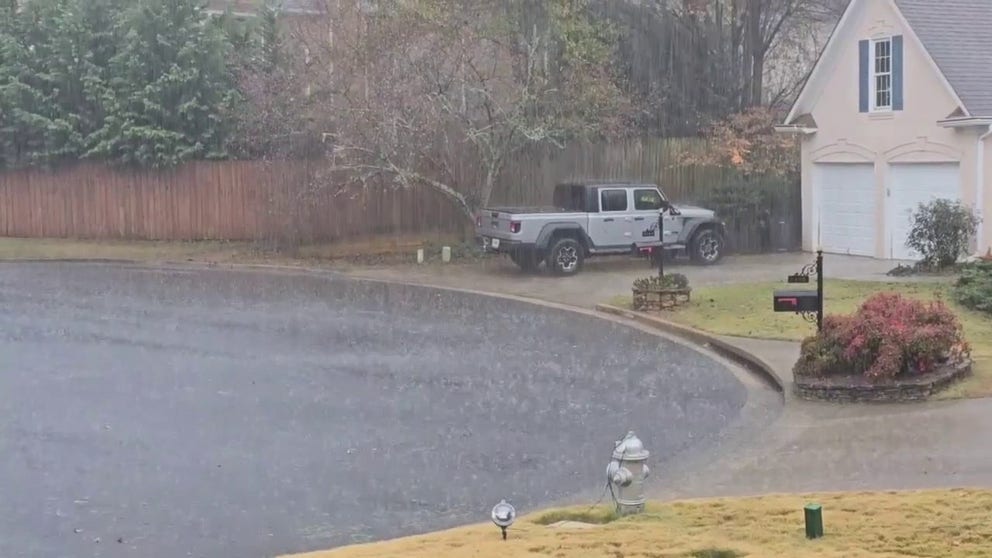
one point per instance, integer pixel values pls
(796, 301)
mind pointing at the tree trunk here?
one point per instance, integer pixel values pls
(752, 46)
(757, 78)
(486, 191)
(454, 195)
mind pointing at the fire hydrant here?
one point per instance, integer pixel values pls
(626, 474)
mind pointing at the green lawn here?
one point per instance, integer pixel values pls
(745, 310)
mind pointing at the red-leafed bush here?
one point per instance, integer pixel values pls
(887, 337)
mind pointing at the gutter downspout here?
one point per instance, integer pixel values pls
(980, 187)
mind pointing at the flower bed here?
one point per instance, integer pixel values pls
(661, 293)
(892, 345)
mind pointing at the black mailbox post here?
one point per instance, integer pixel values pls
(807, 303)
(666, 207)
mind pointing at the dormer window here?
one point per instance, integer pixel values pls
(881, 79)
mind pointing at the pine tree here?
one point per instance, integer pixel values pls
(34, 125)
(9, 52)
(172, 88)
(53, 72)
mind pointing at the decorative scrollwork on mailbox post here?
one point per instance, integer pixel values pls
(806, 303)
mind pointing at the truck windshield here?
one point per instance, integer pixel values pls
(647, 199)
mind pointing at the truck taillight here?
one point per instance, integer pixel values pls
(514, 226)
(478, 220)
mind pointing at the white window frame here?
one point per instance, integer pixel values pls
(873, 75)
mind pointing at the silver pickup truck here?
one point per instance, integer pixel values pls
(599, 218)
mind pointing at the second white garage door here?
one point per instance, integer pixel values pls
(844, 195)
(909, 186)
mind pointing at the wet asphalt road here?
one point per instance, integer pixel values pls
(208, 413)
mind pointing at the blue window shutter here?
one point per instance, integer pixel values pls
(863, 76)
(897, 80)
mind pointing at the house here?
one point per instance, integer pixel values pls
(897, 111)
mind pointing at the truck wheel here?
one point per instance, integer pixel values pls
(526, 259)
(565, 257)
(706, 247)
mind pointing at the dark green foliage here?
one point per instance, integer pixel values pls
(172, 88)
(974, 288)
(670, 281)
(941, 232)
(52, 71)
(136, 82)
(738, 197)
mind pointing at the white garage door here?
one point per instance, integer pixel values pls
(844, 195)
(909, 186)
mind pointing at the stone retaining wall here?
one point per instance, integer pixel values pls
(852, 389)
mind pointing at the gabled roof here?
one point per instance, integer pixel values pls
(958, 35)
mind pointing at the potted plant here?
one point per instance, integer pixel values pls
(661, 292)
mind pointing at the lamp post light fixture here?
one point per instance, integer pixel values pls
(503, 515)
(626, 474)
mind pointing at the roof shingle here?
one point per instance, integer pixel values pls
(958, 35)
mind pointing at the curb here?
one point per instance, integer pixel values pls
(71, 260)
(737, 354)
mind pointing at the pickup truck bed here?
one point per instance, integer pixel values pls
(527, 210)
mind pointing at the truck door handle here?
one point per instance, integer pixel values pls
(638, 218)
(608, 220)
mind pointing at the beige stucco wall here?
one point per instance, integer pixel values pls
(986, 241)
(910, 135)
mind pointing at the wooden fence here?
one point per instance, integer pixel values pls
(231, 200)
(285, 200)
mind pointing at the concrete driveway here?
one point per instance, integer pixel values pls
(604, 278)
(205, 413)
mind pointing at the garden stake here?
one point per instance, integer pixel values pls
(814, 521)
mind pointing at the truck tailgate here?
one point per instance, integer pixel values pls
(494, 222)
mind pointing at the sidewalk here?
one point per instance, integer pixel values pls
(816, 446)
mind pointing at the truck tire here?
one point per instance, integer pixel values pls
(526, 259)
(566, 257)
(706, 247)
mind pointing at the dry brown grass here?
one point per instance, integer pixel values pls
(378, 248)
(61, 249)
(938, 524)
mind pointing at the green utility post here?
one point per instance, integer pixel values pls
(814, 521)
